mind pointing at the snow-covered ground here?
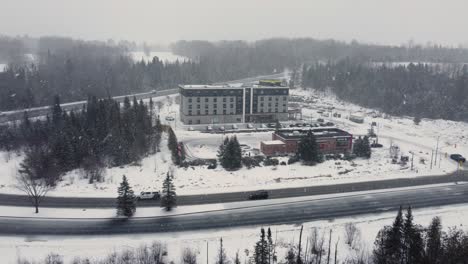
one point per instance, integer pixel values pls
(163, 56)
(401, 131)
(240, 240)
(2, 67)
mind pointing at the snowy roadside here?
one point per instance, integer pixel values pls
(235, 239)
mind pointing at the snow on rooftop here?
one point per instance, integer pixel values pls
(273, 142)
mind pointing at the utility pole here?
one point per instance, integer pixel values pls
(412, 158)
(432, 157)
(207, 252)
(437, 149)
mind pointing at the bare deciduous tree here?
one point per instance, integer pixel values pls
(189, 256)
(352, 235)
(35, 188)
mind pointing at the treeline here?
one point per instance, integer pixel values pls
(229, 60)
(416, 89)
(75, 69)
(407, 243)
(102, 134)
(11, 49)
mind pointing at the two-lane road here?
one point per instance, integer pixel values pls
(280, 213)
(90, 202)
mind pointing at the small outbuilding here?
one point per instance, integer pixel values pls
(273, 147)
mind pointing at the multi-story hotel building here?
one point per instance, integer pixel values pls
(212, 104)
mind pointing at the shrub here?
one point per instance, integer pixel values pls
(271, 162)
(293, 160)
(252, 162)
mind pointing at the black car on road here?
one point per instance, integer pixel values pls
(258, 195)
(458, 158)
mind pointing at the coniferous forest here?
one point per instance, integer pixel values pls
(101, 134)
(75, 69)
(417, 90)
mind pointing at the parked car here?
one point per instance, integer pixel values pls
(263, 126)
(209, 128)
(329, 124)
(234, 127)
(271, 125)
(169, 118)
(190, 129)
(250, 126)
(320, 120)
(258, 195)
(458, 158)
(221, 128)
(148, 196)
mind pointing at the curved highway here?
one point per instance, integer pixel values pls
(285, 213)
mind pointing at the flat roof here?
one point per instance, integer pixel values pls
(318, 133)
(229, 86)
(273, 142)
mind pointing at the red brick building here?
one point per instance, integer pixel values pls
(273, 148)
(330, 141)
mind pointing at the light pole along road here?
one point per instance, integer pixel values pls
(280, 213)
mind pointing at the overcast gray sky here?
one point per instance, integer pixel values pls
(376, 21)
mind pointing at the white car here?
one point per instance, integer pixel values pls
(148, 196)
(190, 129)
(169, 118)
(234, 127)
(221, 128)
(250, 126)
(209, 128)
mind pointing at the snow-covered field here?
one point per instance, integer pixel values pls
(240, 240)
(420, 139)
(163, 56)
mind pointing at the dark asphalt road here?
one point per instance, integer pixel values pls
(77, 202)
(285, 213)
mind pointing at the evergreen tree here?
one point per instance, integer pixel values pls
(271, 248)
(434, 249)
(366, 149)
(379, 253)
(394, 242)
(261, 249)
(413, 243)
(221, 257)
(308, 150)
(222, 147)
(56, 110)
(174, 147)
(230, 154)
(361, 147)
(169, 198)
(237, 259)
(126, 204)
(290, 256)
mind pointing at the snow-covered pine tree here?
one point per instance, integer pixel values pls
(434, 247)
(308, 150)
(169, 197)
(221, 257)
(126, 204)
(412, 239)
(261, 249)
